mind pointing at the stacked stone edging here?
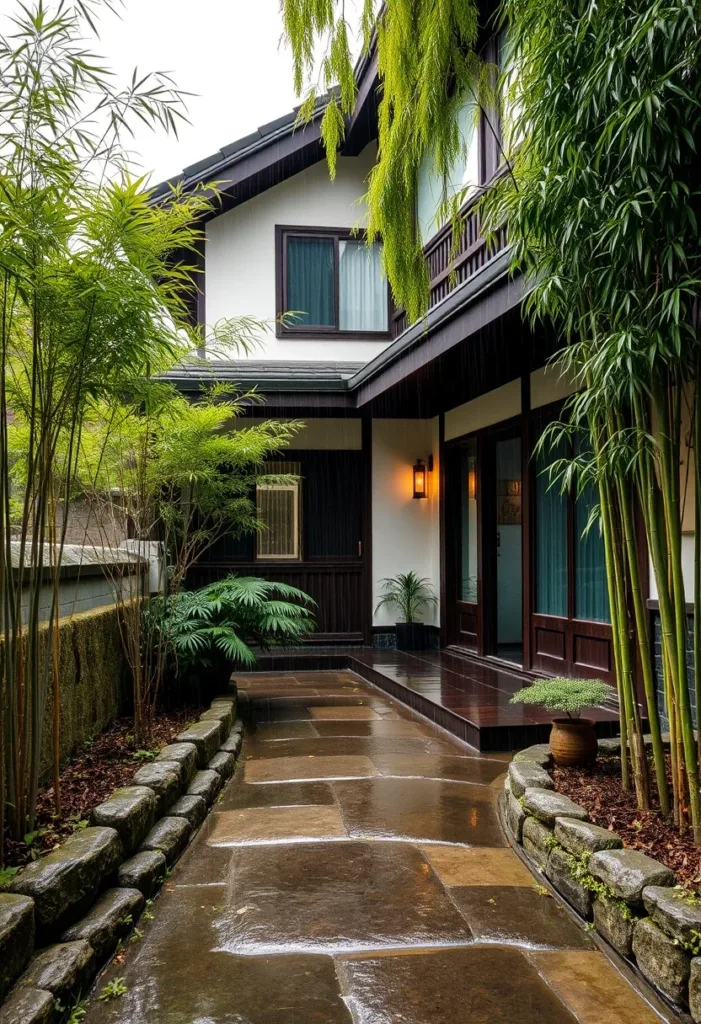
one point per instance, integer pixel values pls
(64, 915)
(632, 899)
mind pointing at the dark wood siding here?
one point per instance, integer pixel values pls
(332, 569)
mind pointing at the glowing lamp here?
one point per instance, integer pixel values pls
(472, 484)
(421, 471)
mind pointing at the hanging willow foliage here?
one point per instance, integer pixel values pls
(427, 63)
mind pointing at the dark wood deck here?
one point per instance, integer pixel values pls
(463, 695)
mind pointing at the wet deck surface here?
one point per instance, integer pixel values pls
(464, 695)
(354, 872)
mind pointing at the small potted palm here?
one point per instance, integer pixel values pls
(410, 594)
(572, 739)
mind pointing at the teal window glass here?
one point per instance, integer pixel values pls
(468, 524)
(590, 591)
(551, 577)
(310, 281)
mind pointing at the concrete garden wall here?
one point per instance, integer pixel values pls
(630, 898)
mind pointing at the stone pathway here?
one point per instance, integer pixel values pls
(355, 872)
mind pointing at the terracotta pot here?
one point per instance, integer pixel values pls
(573, 742)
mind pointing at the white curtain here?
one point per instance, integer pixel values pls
(362, 287)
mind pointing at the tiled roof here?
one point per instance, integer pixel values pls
(273, 374)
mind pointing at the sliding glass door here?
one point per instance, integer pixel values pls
(509, 555)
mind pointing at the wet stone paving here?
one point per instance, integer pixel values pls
(354, 871)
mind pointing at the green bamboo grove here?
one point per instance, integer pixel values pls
(602, 206)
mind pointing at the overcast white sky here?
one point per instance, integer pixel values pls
(227, 52)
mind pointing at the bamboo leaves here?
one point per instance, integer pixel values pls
(89, 302)
(602, 217)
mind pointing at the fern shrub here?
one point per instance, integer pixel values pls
(561, 694)
(209, 631)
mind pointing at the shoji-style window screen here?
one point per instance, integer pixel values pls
(278, 505)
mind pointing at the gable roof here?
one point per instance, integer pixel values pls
(256, 162)
(279, 149)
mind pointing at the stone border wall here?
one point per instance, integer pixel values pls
(630, 898)
(64, 915)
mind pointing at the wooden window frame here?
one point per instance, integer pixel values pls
(323, 333)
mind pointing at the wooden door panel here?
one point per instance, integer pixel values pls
(467, 624)
(572, 648)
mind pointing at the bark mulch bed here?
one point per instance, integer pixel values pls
(97, 769)
(598, 789)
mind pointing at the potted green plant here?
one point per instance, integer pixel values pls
(572, 739)
(410, 593)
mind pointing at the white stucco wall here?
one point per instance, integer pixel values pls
(405, 530)
(492, 407)
(549, 384)
(240, 252)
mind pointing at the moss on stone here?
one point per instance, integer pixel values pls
(93, 681)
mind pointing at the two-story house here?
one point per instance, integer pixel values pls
(465, 393)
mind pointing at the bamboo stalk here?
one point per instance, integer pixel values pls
(697, 551)
(670, 497)
(643, 643)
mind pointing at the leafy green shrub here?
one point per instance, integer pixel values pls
(568, 695)
(218, 625)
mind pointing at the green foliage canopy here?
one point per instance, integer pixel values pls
(182, 470)
(604, 206)
(560, 694)
(426, 62)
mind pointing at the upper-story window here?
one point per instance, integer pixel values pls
(511, 99)
(433, 189)
(330, 284)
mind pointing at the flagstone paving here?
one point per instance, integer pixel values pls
(354, 871)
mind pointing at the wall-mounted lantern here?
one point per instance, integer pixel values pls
(421, 471)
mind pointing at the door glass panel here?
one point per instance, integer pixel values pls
(550, 539)
(590, 591)
(508, 539)
(468, 523)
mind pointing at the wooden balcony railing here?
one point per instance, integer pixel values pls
(446, 274)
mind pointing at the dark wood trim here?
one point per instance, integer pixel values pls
(366, 553)
(653, 605)
(485, 551)
(442, 517)
(201, 297)
(264, 167)
(325, 333)
(527, 546)
(461, 315)
(361, 122)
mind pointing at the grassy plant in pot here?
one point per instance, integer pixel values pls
(411, 594)
(572, 739)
